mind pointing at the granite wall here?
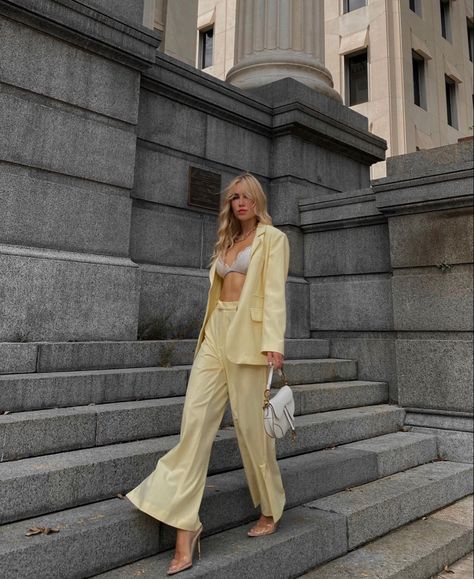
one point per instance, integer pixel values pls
(391, 284)
(98, 238)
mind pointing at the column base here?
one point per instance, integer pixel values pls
(266, 67)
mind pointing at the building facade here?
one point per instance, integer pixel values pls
(404, 64)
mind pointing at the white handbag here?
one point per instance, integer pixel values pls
(279, 411)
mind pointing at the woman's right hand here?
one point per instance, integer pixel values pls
(276, 359)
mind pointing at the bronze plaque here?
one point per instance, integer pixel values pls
(204, 188)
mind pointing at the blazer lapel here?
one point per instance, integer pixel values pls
(258, 237)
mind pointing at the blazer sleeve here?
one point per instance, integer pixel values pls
(274, 302)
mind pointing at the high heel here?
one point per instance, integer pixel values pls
(266, 529)
(173, 569)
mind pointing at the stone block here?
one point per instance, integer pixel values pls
(126, 421)
(171, 124)
(309, 349)
(380, 506)
(334, 395)
(235, 145)
(162, 176)
(111, 533)
(421, 549)
(122, 9)
(297, 309)
(430, 161)
(59, 296)
(296, 241)
(58, 390)
(396, 195)
(398, 451)
(375, 357)
(299, 158)
(440, 420)
(452, 444)
(166, 236)
(435, 374)
(351, 304)
(353, 250)
(46, 65)
(424, 300)
(431, 238)
(46, 431)
(173, 300)
(62, 356)
(43, 213)
(326, 429)
(320, 370)
(283, 196)
(17, 359)
(65, 142)
(288, 90)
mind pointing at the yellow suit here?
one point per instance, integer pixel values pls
(229, 364)
(260, 321)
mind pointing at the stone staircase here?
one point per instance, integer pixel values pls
(85, 422)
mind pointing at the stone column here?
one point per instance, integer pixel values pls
(278, 39)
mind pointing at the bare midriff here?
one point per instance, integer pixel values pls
(232, 286)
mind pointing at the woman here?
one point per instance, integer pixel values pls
(243, 331)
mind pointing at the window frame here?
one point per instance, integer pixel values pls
(470, 38)
(445, 16)
(346, 6)
(202, 46)
(416, 7)
(347, 76)
(419, 80)
(451, 102)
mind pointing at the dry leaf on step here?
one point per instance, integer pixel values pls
(41, 530)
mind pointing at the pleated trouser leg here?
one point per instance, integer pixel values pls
(173, 492)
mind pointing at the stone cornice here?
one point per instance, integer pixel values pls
(339, 211)
(448, 190)
(188, 85)
(321, 121)
(78, 23)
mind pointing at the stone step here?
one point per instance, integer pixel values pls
(25, 392)
(417, 550)
(376, 508)
(65, 480)
(113, 532)
(26, 434)
(300, 538)
(19, 358)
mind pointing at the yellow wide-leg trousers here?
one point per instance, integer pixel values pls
(173, 492)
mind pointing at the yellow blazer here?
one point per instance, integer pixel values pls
(260, 320)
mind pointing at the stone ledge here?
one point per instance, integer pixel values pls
(433, 192)
(80, 24)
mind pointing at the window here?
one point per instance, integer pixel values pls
(356, 78)
(445, 9)
(415, 6)
(451, 108)
(470, 39)
(206, 38)
(419, 88)
(350, 5)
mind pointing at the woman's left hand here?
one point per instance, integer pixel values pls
(276, 359)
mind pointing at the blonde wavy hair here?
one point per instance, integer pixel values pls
(229, 225)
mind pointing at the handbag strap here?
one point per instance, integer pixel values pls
(266, 395)
(269, 383)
